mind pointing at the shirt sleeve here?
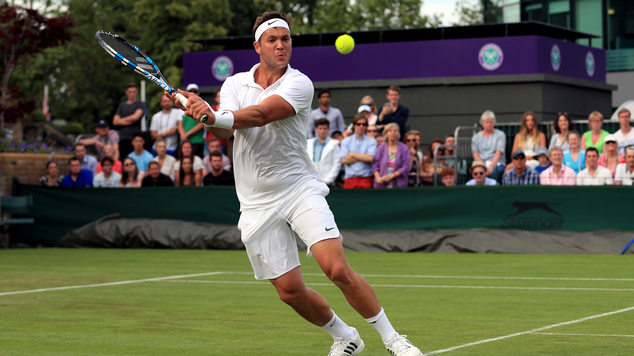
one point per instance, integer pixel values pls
(297, 91)
(229, 96)
(475, 141)
(501, 142)
(154, 125)
(372, 147)
(344, 148)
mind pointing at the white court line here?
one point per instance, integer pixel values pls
(529, 331)
(563, 334)
(419, 286)
(109, 284)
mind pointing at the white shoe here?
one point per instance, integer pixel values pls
(348, 347)
(400, 346)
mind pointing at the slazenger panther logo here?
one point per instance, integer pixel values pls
(490, 56)
(222, 68)
(535, 216)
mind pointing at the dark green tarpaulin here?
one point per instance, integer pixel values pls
(60, 210)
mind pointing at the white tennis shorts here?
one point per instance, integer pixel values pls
(270, 234)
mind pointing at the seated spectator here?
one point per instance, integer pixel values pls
(78, 177)
(140, 155)
(520, 174)
(52, 177)
(529, 139)
(428, 169)
(488, 146)
(108, 178)
(324, 153)
(104, 137)
(459, 165)
(154, 177)
(595, 136)
(131, 177)
(413, 177)
(217, 175)
(164, 125)
(563, 125)
(186, 149)
(391, 162)
(186, 175)
(574, 157)
(108, 151)
(558, 173)
(448, 177)
(594, 174)
(541, 154)
(368, 101)
(610, 157)
(625, 171)
(357, 154)
(214, 145)
(625, 135)
(166, 162)
(478, 172)
(87, 161)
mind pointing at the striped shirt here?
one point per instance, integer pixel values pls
(529, 177)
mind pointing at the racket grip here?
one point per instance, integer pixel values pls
(203, 119)
(181, 99)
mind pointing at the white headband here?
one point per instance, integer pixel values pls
(276, 22)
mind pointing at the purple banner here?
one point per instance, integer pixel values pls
(423, 59)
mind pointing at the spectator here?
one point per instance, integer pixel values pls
(458, 164)
(520, 174)
(391, 162)
(108, 178)
(379, 140)
(166, 162)
(78, 177)
(131, 177)
(128, 118)
(429, 168)
(334, 115)
(217, 175)
(155, 178)
(529, 139)
(324, 153)
(87, 161)
(191, 130)
(573, 157)
(558, 173)
(478, 172)
(563, 125)
(165, 125)
(392, 111)
(140, 155)
(595, 136)
(214, 145)
(357, 154)
(337, 135)
(594, 174)
(541, 154)
(610, 157)
(625, 135)
(625, 171)
(186, 175)
(418, 150)
(448, 177)
(108, 151)
(372, 130)
(367, 100)
(186, 149)
(104, 137)
(413, 178)
(52, 177)
(488, 146)
(209, 135)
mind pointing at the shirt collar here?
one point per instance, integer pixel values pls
(251, 82)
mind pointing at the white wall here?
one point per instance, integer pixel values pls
(625, 81)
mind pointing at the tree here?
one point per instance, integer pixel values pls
(25, 33)
(469, 12)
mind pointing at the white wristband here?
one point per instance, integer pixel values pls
(224, 120)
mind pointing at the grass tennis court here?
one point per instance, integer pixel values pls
(194, 302)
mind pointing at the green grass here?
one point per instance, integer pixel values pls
(218, 315)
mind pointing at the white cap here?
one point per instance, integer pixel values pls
(610, 138)
(192, 86)
(363, 108)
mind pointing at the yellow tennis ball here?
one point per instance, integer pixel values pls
(344, 44)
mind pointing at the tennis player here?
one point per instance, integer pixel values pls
(281, 194)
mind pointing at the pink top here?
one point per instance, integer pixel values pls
(603, 162)
(566, 177)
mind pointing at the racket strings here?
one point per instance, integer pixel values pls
(129, 52)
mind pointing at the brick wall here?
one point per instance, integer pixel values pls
(29, 167)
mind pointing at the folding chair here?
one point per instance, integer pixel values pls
(20, 206)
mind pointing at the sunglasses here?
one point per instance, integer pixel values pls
(373, 131)
(562, 113)
(410, 140)
(520, 157)
(479, 173)
(129, 164)
(361, 124)
(611, 142)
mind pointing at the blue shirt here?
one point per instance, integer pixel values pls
(141, 161)
(578, 165)
(365, 145)
(487, 181)
(540, 169)
(488, 146)
(333, 115)
(90, 163)
(318, 148)
(529, 177)
(84, 179)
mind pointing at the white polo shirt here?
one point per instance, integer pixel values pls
(162, 122)
(624, 140)
(622, 175)
(271, 164)
(602, 176)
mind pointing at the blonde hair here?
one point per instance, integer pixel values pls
(487, 115)
(372, 107)
(534, 134)
(388, 127)
(595, 114)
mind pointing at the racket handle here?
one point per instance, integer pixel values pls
(203, 119)
(181, 99)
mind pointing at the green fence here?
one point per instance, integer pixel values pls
(59, 210)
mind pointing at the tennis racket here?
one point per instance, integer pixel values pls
(132, 57)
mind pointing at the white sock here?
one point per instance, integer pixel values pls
(383, 326)
(337, 328)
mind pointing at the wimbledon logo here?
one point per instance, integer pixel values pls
(490, 56)
(555, 57)
(590, 64)
(222, 68)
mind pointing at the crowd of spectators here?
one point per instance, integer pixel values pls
(375, 151)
